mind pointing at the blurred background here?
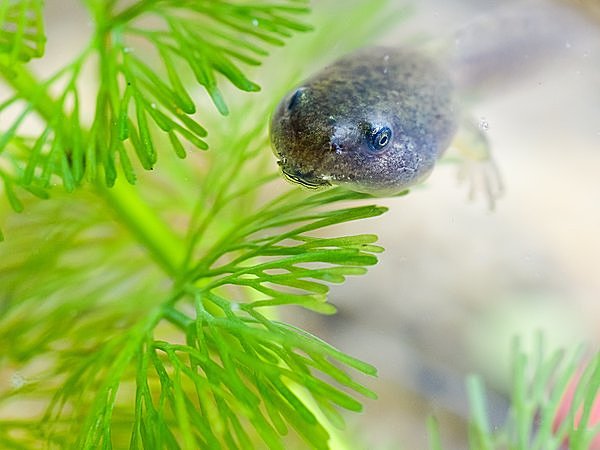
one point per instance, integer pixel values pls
(458, 281)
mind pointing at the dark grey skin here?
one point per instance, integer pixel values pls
(375, 121)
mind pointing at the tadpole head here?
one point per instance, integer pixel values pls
(300, 137)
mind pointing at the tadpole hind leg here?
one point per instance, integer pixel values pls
(477, 166)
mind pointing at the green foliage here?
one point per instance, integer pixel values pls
(21, 31)
(540, 389)
(222, 374)
(148, 52)
(143, 317)
(146, 317)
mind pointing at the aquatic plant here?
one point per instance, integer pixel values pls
(150, 242)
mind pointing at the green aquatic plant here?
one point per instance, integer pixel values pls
(554, 402)
(138, 308)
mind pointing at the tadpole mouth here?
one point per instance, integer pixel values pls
(306, 179)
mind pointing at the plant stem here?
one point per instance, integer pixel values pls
(31, 89)
(132, 12)
(143, 222)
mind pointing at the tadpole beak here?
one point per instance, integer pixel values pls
(308, 180)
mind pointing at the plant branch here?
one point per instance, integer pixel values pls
(147, 227)
(133, 11)
(28, 87)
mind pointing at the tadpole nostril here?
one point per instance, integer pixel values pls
(295, 99)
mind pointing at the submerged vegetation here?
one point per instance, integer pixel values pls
(139, 309)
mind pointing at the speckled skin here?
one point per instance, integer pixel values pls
(321, 134)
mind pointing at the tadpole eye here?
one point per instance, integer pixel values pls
(295, 98)
(379, 138)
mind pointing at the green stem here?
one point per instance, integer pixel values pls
(132, 12)
(31, 89)
(146, 226)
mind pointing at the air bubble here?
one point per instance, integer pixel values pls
(255, 22)
(484, 124)
(17, 381)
